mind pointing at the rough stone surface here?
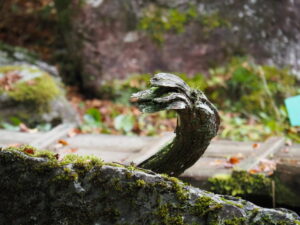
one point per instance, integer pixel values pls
(38, 189)
(10, 55)
(31, 90)
(113, 45)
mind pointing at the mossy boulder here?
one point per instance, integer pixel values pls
(32, 96)
(13, 55)
(31, 90)
(36, 188)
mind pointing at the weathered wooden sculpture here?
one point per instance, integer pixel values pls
(198, 122)
(38, 189)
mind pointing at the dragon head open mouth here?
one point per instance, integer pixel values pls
(198, 122)
(169, 92)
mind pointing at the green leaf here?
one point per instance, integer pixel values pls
(15, 121)
(95, 114)
(9, 127)
(90, 121)
(44, 127)
(124, 123)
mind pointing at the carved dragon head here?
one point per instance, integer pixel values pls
(169, 92)
(198, 122)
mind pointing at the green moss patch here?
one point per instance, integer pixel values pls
(35, 93)
(204, 204)
(241, 183)
(244, 184)
(85, 190)
(157, 21)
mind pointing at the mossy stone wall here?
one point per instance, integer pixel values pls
(36, 188)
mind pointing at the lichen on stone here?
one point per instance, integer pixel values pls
(157, 21)
(85, 190)
(35, 88)
(240, 183)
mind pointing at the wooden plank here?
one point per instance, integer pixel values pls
(292, 152)
(225, 149)
(289, 168)
(204, 169)
(105, 142)
(271, 146)
(52, 136)
(16, 137)
(150, 150)
(205, 174)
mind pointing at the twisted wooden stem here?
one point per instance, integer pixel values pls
(198, 122)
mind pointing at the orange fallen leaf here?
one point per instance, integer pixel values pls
(255, 145)
(63, 142)
(253, 171)
(234, 160)
(69, 150)
(29, 151)
(74, 150)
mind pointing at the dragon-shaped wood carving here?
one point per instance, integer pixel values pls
(198, 122)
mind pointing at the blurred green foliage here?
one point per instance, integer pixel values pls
(120, 90)
(256, 92)
(243, 86)
(124, 123)
(250, 99)
(156, 21)
(92, 120)
(249, 96)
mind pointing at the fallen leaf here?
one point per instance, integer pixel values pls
(96, 103)
(253, 171)
(63, 142)
(74, 150)
(234, 160)
(255, 145)
(29, 151)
